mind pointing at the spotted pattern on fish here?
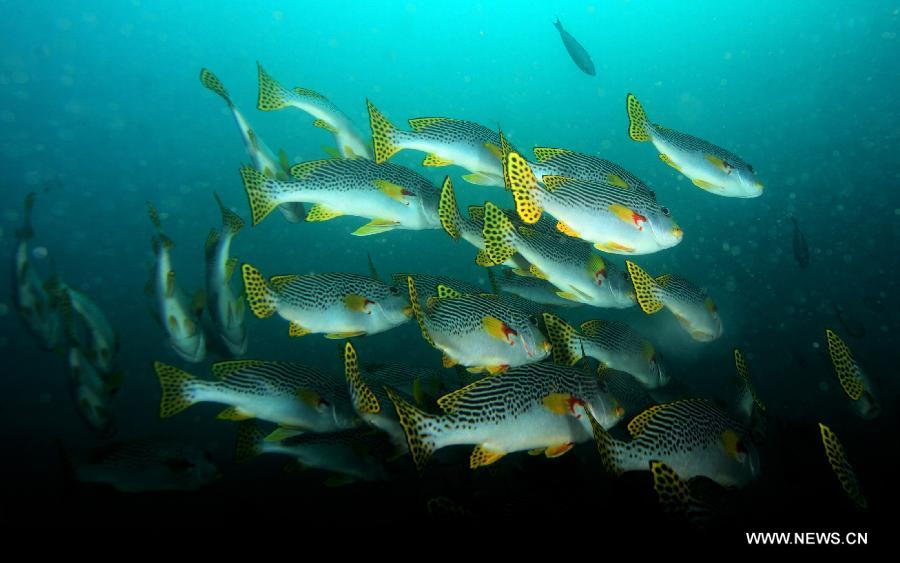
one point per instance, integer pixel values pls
(280, 379)
(562, 162)
(318, 292)
(349, 175)
(687, 142)
(460, 316)
(448, 131)
(598, 196)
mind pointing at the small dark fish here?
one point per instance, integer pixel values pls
(576, 51)
(801, 251)
(854, 328)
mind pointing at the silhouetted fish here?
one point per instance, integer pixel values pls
(576, 51)
(801, 251)
(853, 327)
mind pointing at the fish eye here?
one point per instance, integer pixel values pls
(750, 168)
(533, 320)
(665, 211)
(394, 290)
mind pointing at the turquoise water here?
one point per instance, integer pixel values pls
(102, 111)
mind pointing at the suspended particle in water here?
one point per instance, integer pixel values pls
(40, 252)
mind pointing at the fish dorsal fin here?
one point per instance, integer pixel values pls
(304, 169)
(224, 369)
(543, 154)
(591, 328)
(435, 161)
(553, 182)
(846, 368)
(445, 292)
(639, 422)
(211, 240)
(476, 213)
(663, 280)
(448, 402)
(278, 282)
(420, 123)
(309, 93)
(230, 266)
(743, 371)
(322, 124)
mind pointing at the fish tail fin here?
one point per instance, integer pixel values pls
(230, 220)
(249, 442)
(384, 134)
(177, 389)
(844, 365)
(841, 467)
(212, 83)
(259, 193)
(676, 497)
(26, 232)
(272, 95)
(154, 216)
(520, 179)
(417, 309)
(644, 288)
(607, 446)
(499, 234)
(364, 400)
(448, 211)
(260, 296)
(418, 427)
(638, 125)
(567, 347)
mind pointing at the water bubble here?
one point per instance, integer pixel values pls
(40, 252)
(4, 309)
(815, 345)
(823, 386)
(726, 247)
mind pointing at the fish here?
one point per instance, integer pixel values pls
(392, 196)
(629, 393)
(694, 437)
(692, 306)
(286, 393)
(30, 299)
(614, 219)
(801, 250)
(528, 287)
(102, 342)
(273, 96)
(148, 465)
(445, 141)
(579, 273)
(857, 384)
(748, 400)
(853, 327)
(356, 454)
(614, 344)
(92, 395)
(570, 164)
(225, 308)
(837, 459)
(428, 285)
(338, 305)
(479, 332)
(261, 156)
(708, 166)
(527, 408)
(181, 325)
(579, 54)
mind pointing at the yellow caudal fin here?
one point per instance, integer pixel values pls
(567, 346)
(519, 178)
(272, 95)
(844, 366)
(418, 427)
(638, 126)
(260, 296)
(448, 212)
(748, 396)
(212, 83)
(607, 446)
(499, 234)
(674, 493)
(259, 193)
(383, 134)
(841, 467)
(177, 389)
(417, 309)
(364, 400)
(249, 442)
(231, 222)
(644, 288)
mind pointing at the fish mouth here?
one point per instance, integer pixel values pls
(677, 233)
(407, 311)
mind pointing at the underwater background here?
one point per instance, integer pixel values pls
(102, 111)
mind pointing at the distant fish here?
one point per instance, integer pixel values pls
(103, 341)
(92, 395)
(578, 53)
(854, 328)
(708, 166)
(857, 384)
(225, 308)
(801, 251)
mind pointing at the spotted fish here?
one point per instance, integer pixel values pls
(285, 393)
(695, 310)
(479, 332)
(101, 342)
(528, 287)
(837, 458)
(614, 219)
(693, 437)
(614, 344)
(533, 407)
(225, 308)
(428, 285)
(709, 167)
(857, 384)
(445, 141)
(273, 96)
(92, 395)
(571, 164)
(339, 305)
(392, 196)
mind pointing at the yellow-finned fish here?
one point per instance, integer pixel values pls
(339, 305)
(857, 384)
(102, 341)
(92, 395)
(533, 289)
(695, 310)
(571, 164)
(273, 96)
(225, 308)
(709, 167)
(445, 141)
(181, 325)
(615, 219)
(837, 459)
(538, 408)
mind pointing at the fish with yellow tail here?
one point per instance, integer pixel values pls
(261, 156)
(101, 342)
(694, 437)
(225, 308)
(429, 285)
(530, 288)
(179, 321)
(695, 310)
(837, 459)
(708, 166)
(445, 141)
(338, 305)
(615, 219)
(857, 384)
(273, 96)
(551, 161)
(479, 332)
(528, 408)
(391, 196)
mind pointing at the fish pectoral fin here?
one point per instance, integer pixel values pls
(665, 158)
(628, 216)
(296, 329)
(342, 335)
(493, 370)
(613, 247)
(235, 413)
(704, 185)
(482, 179)
(558, 450)
(617, 181)
(493, 149)
(393, 191)
(482, 456)
(376, 226)
(498, 329)
(358, 303)
(558, 403)
(537, 272)
(309, 397)
(319, 212)
(434, 160)
(568, 295)
(322, 124)
(283, 433)
(536, 451)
